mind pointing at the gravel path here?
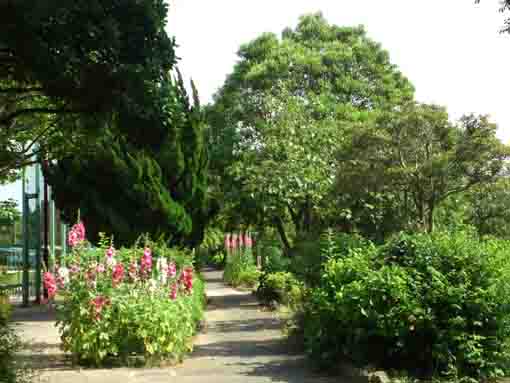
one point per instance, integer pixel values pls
(241, 343)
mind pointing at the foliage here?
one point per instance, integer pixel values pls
(285, 107)
(397, 171)
(240, 269)
(282, 287)
(10, 369)
(488, 208)
(210, 252)
(312, 252)
(133, 301)
(161, 176)
(435, 303)
(9, 210)
(67, 68)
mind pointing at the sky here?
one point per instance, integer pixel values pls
(451, 50)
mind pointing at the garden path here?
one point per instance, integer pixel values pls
(240, 343)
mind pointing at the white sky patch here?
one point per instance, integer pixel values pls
(451, 50)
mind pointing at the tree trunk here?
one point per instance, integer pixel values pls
(430, 217)
(307, 216)
(283, 235)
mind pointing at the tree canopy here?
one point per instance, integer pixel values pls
(282, 113)
(66, 67)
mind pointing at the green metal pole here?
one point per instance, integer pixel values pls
(63, 240)
(52, 228)
(25, 241)
(38, 235)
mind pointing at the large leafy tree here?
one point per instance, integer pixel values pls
(285, 108)
(65, 67)
(155, 185)
(407, 162)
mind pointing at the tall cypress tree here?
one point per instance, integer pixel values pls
(147, 174)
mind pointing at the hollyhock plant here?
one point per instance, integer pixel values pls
(76, 234)
(162, 266)
(172, 270)
(133, 271)
(97, 304)
(187, 279)
(227, 241)
(247, 240)
(110, 257)
(173, 291)
(146, 262)
(108, 295)
(50, 284)
(117, 274)
(233, 241)
(72, 238)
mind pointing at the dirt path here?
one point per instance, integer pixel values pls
(241, 343)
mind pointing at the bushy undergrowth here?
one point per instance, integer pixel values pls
(211, 252)
(143, 302)
(433, 304)
(10, 369)
(240, 270)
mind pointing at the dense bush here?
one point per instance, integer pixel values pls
(142, 301)
(429, 303)
(10, 369)
(211, 252)
(281, 287)
(240, 268)
(310, 253)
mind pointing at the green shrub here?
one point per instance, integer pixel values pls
(210, 252)
(310, 254)
(10, 369)
(282, 287)
(428, 303)
(240, 270)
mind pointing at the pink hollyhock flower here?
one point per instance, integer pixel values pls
(76, 234)
(146, 262)
(97, 305)
(117, 274)
(72, 238)
(187, 279)
(172, 270)
(173, 291)
(80, 229)
(233, 241)
(100, 268)
(50, 284)
(110, 252)
(109, 257)
(227, 241)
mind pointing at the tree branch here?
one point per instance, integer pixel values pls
(22, 112)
